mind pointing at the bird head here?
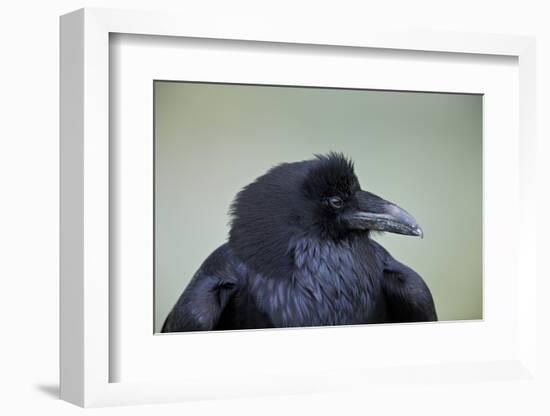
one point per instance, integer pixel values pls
(341, 207)
(318, 198)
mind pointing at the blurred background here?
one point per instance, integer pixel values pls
(422, 151)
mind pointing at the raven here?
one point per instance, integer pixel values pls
(300, 253)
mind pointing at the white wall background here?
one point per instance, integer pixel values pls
(29, 209)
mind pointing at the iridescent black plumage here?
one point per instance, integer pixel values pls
(299, 254)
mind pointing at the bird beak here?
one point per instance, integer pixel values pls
(375, 213)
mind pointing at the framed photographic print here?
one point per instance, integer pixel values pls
(313, 222)
(263, 211)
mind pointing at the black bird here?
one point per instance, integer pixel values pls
(300, 253)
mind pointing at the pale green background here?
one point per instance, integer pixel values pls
(422, 151)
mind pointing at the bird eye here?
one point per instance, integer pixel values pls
(336, 202)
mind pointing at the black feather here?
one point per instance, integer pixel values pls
(291, 261)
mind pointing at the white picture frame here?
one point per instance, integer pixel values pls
(87, 227)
